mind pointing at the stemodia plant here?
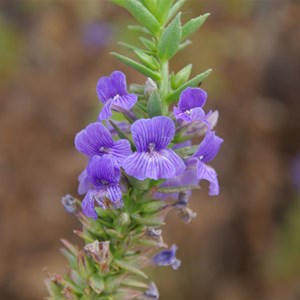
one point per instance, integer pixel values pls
(141, 163)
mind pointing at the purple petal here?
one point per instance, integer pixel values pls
(209, 147)
(181, 115)
(198, 114)
(114, 193)
(120, 150)
(88, 207)
(189, 177)
(102, 171)
(145, 165)
(167, 258)
(84, 183)
(105, 89)
(208, 173)
(191, 98)
(158, 131)
(105, 113)
(89, 140)
(125, 101)
(176, 161)
(118, 80)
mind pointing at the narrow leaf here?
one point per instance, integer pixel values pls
(147, 60)
(170, 40)
(150, 5)
(150, 45)
(143, 15)
(137, 66)
(181, 76)
(130, 47)
(134, 283)
(184, 45)
(162, 10)
(130, 268)
(174, 10)
(194, 82)
(177, 189)
(138, 29)
(193, 25)
(154, 105)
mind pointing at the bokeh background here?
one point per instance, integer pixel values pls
(244, 244)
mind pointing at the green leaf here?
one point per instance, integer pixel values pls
(150, 5)
(185, 152)
(150, 45)
(138, 29)
(148, 60)
(152, 206)
(149, 221)
(194, 82)
(193, 25)
(174, 10)
(131, 47)
(162, 10)
(177, 189)
(128, 267)
(170, 40)
(134, 283)
(137, 66)
(119, 2)
(143, 15)
(181, 76)
(154, 105)
(96, 283)
(184, 45)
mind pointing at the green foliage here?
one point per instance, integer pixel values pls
(143, 15)
(154, 105)
(110, 266)
(170, 40)
(196, 81)
(193, 25)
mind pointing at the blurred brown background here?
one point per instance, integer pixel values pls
(244, 244)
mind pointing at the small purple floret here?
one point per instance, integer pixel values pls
(104, 176)
(153, 159)
(187, 178)
(95, 139)
(84, 184)
(152, 292)
(167, 258)
(190, 105)
(112, 92)
(206, 152)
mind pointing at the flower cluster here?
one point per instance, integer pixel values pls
(150, 151)
(141, 162)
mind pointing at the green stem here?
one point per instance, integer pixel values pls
(164, 87)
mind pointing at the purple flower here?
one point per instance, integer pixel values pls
(188, 177)
(152, 292)
(199, 128)
(104, 176)
(206, 152)
(167, 258)
(84, 183)
(69, 203)
(190, 105)
(112, 92)
(95, 139)
(153, 159)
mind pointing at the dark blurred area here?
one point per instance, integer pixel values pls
(244, 244)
